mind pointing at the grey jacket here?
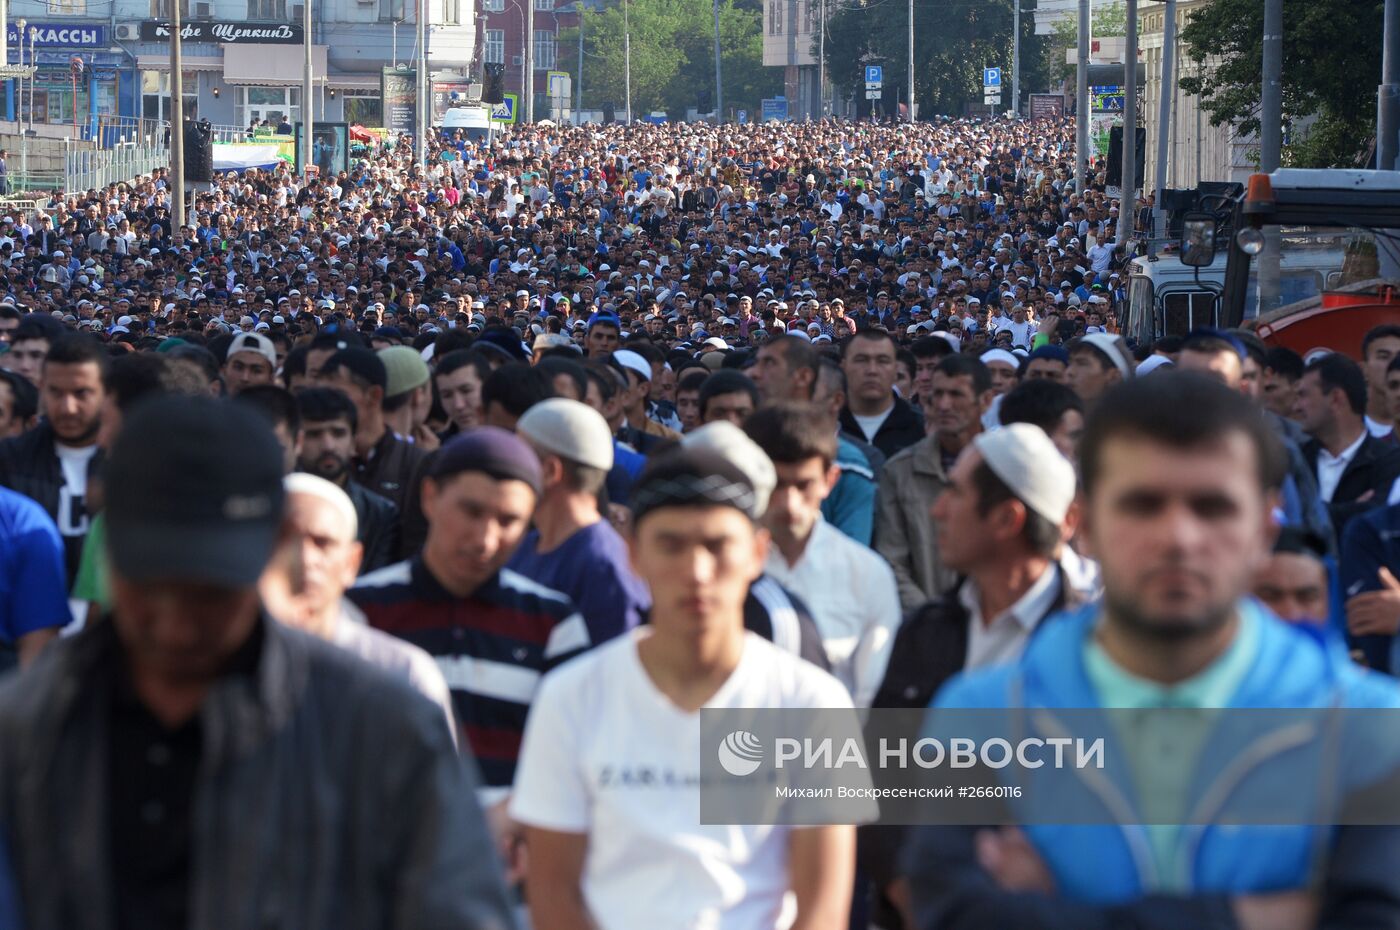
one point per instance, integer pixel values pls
(904, 533)
(330, 797)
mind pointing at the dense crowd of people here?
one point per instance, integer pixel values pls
(373, 542)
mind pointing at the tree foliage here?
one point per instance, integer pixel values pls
(673, 56)
(954, 41)
(1110, 19)
(1331, 66)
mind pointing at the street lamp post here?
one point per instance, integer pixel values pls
(627, 59)
(19, 103)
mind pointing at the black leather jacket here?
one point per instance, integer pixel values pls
(329, 797)
(379, 527)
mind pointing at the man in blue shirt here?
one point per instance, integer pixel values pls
(33, 585)
(1179, 475)
(572, 549)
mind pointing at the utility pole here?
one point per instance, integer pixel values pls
(1271, 94)
(719, 82)
(177, 121)
(425, 116)
(1271, 143)
(909, 93)
(528, 91)
(307, 78)
(1081, 105)
(1016, 57)
(627, 59)
(1127, 205)
(1388, 96)
(1167, 90)
(578, 86)
(821, 66)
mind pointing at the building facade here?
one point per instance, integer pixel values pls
(791, 29)
(503, 43)
(1197, 151)
(242, 59)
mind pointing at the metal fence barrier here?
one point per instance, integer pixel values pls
(96, 168)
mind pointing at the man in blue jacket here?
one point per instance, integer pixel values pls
(1179, 478)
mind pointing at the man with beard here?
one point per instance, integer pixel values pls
(51, 462)
(1180, 477)
(328, 423)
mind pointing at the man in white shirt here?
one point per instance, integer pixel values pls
(851, 590)
(608, 788)
(1000, 523)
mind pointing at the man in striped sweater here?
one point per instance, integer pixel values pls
(492, 631)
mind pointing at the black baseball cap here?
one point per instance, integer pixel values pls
(363, 363)
(194, 492)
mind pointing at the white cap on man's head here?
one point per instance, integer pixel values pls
(300, 482)
(1028, 463)
(570, 430)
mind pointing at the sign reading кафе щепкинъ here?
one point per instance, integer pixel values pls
(157, 30)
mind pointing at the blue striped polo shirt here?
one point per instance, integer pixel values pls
(493, 647)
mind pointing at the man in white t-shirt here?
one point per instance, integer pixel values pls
(608, 782)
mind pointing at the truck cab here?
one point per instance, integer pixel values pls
(1314, 257)
(1169, 298)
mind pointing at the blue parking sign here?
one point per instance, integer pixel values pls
(991, 77)
(874, 74)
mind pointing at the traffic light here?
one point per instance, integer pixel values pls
(493, 87)
(704, 100)
(199, 151)
(1115, 156)
(609, 112)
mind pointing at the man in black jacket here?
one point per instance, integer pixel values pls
(874, 412)
(384, 463)
(191, 762)
(1354, 469)
(51, 462)
(328, 422)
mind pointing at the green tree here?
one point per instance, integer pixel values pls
(1331, 65)
(954, 41)
(1109, 20)
(673, 55)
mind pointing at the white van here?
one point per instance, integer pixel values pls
(473, 122)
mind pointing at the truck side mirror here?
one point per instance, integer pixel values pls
(1198, 240)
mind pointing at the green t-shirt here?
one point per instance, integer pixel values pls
(92, 583)
(1163, 749)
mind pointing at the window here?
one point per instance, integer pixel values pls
(390, 11)
(267, 10)
(493, 6)
(545, 45)
(273, 104)
(68, 7)
(775, 17)
(162, 9)
(495, 50)
(364, 107)
(452, 12)
(155, 94)
(545, 5)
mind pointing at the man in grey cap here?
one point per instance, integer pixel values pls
(572, 549)
(198, 764)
